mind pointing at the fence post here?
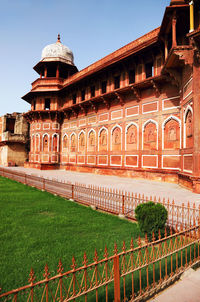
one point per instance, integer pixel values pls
(25, 178)
(116, 278)
(73, 192)
(43, 185)
(123, 199)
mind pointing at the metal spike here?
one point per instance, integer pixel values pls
(106, 252)
(31, 276)
(85, 259)
(60, 267)
(115, 249)
(73, 266)
(46, 272)
(95, 256)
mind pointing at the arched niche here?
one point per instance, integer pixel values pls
(171, 133)
(65, 142)
(81, 141)
(188, 128)
(116, 138)
(103, 139)
(150, 135)
(91, 140)
(131, 137)
(73, 142)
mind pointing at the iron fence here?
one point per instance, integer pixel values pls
(129, 275)
(107, 199)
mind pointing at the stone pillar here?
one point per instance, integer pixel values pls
(174, 20)
(166, 47)
(57, 72)
(191, 16)
(196, 126)
(45, 71)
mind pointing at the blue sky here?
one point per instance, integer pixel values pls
(90, 28)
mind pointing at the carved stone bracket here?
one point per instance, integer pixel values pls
(156, 87)
(94, 106)
(185, 55)
(74, 112)
(120, 99)
(106, 102)
(67, 114)
(83, 109)
(175, 77)
(136, 93)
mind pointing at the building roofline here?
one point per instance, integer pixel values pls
(119, 54)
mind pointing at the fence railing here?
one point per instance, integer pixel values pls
(129, 275)
(107, 199)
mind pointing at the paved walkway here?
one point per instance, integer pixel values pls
(185, 290)
(142, 186)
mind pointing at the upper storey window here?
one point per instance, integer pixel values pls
(139, 72)
(158, 65)
(149, 70)
(131, 76)
(104, 87)
(74, 99)
(83, 95)
(34, 104)
(117, 81)
(92, 91)
(47, 104)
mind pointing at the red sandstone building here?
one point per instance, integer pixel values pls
(134, 113)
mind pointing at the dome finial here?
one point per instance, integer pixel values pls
(58, 40)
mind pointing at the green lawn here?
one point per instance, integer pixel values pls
(38, 228)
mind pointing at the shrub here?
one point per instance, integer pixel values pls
(151, 218)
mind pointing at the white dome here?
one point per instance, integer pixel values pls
(57, 52)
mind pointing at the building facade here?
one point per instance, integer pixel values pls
(14, 139)
(134, 113)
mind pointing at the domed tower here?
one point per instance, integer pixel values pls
(45, 116)
(57, 61)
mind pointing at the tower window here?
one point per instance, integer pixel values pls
(83, 95)
(149, 70)
(92, 91)
(74, 99)
(34, 104)
(47, 104)
(117, 82)
(104, 86)
(131, 76)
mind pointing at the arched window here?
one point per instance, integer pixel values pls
(37, 142)
(55, 143)
(33, 143)
(45, 143)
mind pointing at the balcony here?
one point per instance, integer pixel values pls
(48, 84)
(8, 137)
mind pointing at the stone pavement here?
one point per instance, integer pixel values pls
(185, 290)
(142, 186)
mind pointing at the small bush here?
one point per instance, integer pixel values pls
(151, 218)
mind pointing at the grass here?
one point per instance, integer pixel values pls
(38, 228)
